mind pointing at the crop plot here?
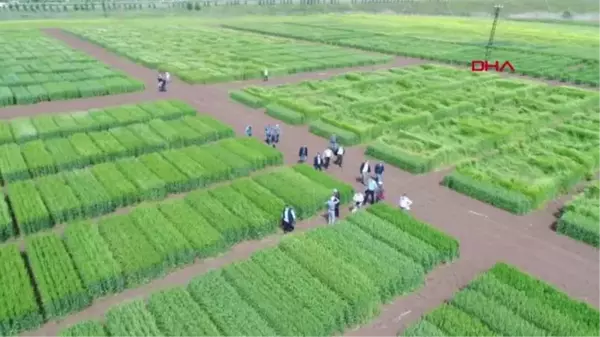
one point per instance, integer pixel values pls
(35, 68)
(210, 55)
(99, 189)
(525, 175)
(94, 259)
(533, 51)
(42, 157)
(359, 107)
(317, 283)
(471, 131)
(507, 302)
(580, 218)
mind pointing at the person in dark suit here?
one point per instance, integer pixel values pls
(303, 153)
(288, 219)
(318, 162)
(379, 168)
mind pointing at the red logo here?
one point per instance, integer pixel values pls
(482, 65)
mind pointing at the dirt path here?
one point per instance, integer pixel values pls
(487, 234)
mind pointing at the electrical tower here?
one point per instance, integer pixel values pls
(488, 48)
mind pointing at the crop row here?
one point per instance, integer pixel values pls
(122, 251)
(208, 55)
(48, 156)
(316, 284)
(507, 302)
(383, 38)
(39, 68)
(99, 189)
(25, 129)
(580, 218)
(525, 175)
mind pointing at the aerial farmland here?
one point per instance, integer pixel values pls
(132, 211)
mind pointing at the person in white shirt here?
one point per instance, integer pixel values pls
(288, 219)
(339, 156)
(405, 202)
(365, 169)
(358, 199)
(265, 74)
(327, 154)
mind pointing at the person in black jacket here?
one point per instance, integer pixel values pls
(379, 168)
(303, 153)
(318, 162)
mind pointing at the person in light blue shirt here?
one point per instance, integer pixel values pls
(370, 192)
(249, 130)
(331, 205)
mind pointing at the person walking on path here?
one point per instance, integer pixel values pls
(265, 74)
(339, 156)
(276, 133)
(333, 142)
(379, 168)
(405, 202)
(318, 162)
(370, 192)
(327, 154)
(268, 132)
(365, 169)
(162, 82)
(288, 219)
(336, 194)
(331, 204)
(303, 153)
(358, 199)
(379, 196)
(249, 130)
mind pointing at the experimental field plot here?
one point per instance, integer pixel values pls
(525, 175)
(316, 284)
(80, 165)
(95, 258)
(359, 107)
(507, 302)
(208, 55)
(562, 52)
(580, 218)
(35, 68)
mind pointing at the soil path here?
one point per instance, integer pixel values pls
(487, 235)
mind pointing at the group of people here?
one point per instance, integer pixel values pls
(288, 216)
(322, 161)
(163, 78)
(272, 133)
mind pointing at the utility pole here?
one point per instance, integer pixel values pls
(488, 48)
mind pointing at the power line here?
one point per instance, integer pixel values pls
(488, 48)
